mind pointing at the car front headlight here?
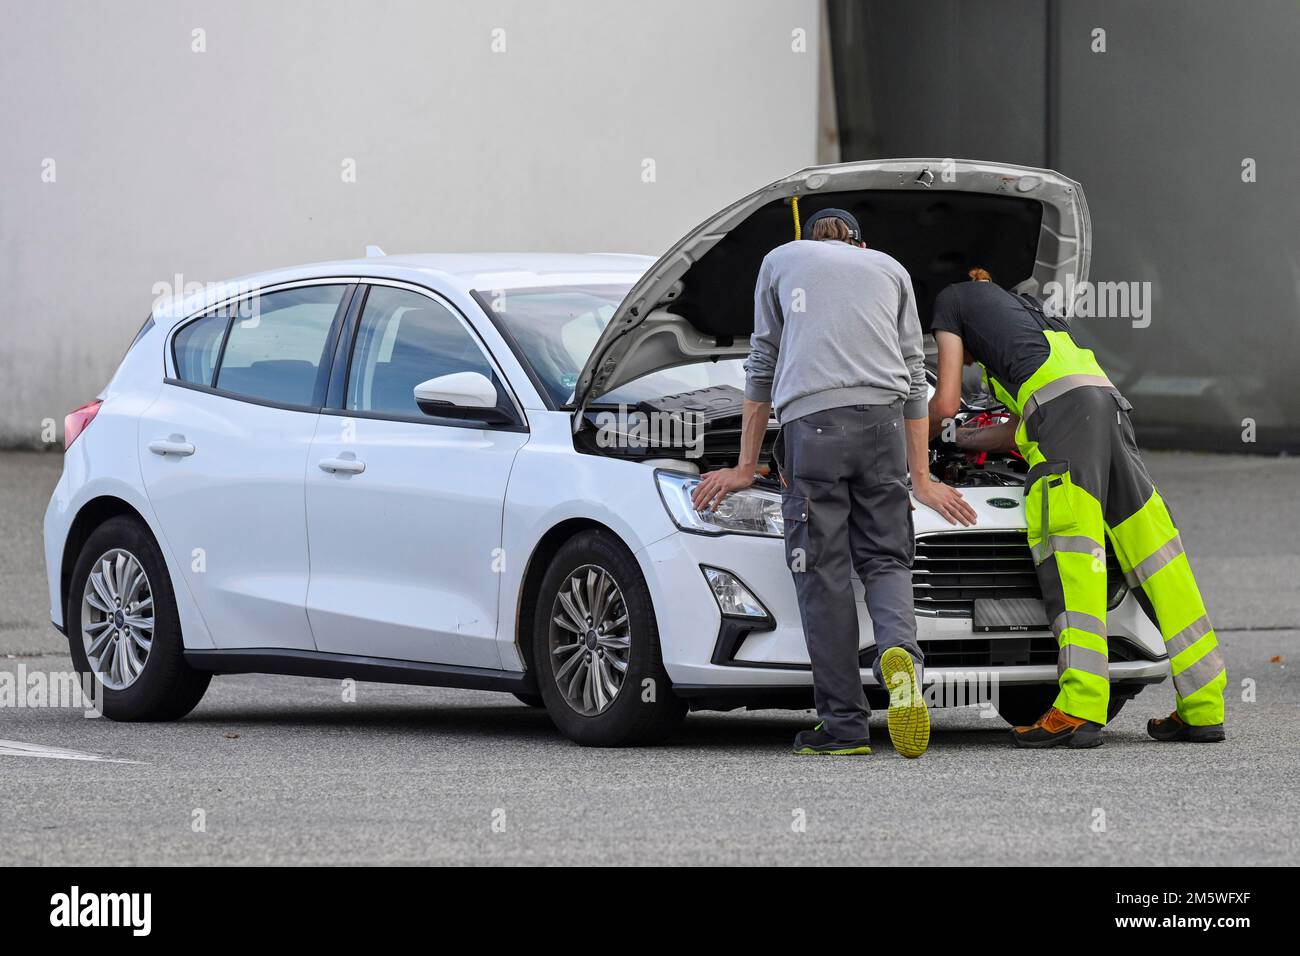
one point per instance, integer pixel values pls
(743, 512)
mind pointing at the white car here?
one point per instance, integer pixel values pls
(433, 470)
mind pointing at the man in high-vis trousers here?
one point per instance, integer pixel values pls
(1086, 480)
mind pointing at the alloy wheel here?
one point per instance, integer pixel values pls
(117, 618)
(590, 640)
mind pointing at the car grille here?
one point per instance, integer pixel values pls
(952, 569)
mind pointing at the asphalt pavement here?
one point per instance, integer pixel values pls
(274, 770)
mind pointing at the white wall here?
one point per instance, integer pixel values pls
(229, 161)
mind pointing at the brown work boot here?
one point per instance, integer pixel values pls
(1056, 728)
(1173, 728)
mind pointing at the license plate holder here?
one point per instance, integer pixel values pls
(1003, 615)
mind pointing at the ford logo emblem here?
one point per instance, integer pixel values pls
(1004, 503)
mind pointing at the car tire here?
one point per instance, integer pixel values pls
(1021, 705)
(165, 687)
(644, 709)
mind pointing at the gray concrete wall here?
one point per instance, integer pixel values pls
(219, 163)
(940, 78)
(1156, 128)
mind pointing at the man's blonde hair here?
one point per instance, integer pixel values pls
(831, 228)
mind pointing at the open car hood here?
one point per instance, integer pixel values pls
(937, 217)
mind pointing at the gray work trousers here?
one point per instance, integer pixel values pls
(846, 508)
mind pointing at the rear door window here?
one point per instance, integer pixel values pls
(277, 353)
(196, 347)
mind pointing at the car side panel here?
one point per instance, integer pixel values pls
(403, 555)
(551, 483)
(233, 513)
(104, 462)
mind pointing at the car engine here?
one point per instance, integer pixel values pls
(971, 469)
(660, 432)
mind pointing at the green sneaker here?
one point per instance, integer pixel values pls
(909, 718)
(818, 742)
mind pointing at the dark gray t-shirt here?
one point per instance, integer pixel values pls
(999, 328)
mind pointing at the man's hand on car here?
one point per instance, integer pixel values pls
(714, 486)
(944, 499)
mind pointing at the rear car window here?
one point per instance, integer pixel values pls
(196, 347)
(277, 354)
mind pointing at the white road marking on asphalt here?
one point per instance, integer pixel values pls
(16, 748)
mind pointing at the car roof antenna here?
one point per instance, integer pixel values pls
(373, 251)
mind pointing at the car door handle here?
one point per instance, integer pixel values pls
(347, 466)
(176, 445)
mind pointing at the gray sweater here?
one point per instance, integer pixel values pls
(834, 325)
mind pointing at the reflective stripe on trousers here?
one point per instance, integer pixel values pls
(1065, 527)
(1058, 387)
(1151, 553)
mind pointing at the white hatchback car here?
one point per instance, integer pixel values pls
(475, 471)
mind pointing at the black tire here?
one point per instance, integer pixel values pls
(1023, 704)
(531, 700)
(166, 688)
(631, 718)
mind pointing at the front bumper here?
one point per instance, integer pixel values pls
(704, 654)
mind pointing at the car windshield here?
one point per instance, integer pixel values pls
(556, 327)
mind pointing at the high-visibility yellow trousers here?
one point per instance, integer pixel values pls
(1087, 479)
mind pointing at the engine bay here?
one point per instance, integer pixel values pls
(962, 468)
(699, 431)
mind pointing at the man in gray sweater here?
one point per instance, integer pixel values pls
(837, 348)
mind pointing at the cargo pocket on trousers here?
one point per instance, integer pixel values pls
(798, 540)
(815, 449)
(1049, 509)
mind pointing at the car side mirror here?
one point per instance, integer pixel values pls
(466, 395)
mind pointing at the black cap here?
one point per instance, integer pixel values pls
(832, 213)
